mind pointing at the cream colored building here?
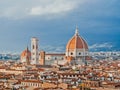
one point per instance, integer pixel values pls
(77, 52)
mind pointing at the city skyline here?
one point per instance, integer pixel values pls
(54, 22)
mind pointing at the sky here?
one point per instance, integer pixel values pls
(53, 22)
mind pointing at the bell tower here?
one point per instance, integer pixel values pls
(34, 51)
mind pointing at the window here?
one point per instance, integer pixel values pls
(79, 53)
(33, 53)
(33, 46)
(36, 46)
(71, 53)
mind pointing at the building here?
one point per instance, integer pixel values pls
(34, 51)
(42, 58)
(77, 52)
(55, 58)
(26, 56)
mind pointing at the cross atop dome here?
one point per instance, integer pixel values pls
(76, 31)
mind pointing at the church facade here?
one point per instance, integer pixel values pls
(77, 52)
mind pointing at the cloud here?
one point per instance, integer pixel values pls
(16, 9)
(28, 8)
(102, 45)
(57, 7)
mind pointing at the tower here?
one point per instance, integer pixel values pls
(34, 51)
(42, 58)
(27, 57)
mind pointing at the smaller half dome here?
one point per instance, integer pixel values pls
(25, 53)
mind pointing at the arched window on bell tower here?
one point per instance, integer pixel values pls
(33, 47)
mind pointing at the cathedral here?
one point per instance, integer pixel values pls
(77, 52)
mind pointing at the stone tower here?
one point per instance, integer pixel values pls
(42, 58)
(34, 51)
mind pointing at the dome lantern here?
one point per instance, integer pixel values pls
(76, 31)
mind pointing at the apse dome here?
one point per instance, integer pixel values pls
(25, 53)
(25, 56)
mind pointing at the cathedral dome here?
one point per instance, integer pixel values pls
(77, 49)
(26, 53)
(76, 42)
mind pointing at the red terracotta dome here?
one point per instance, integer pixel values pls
(76, 42)
(26, 53)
